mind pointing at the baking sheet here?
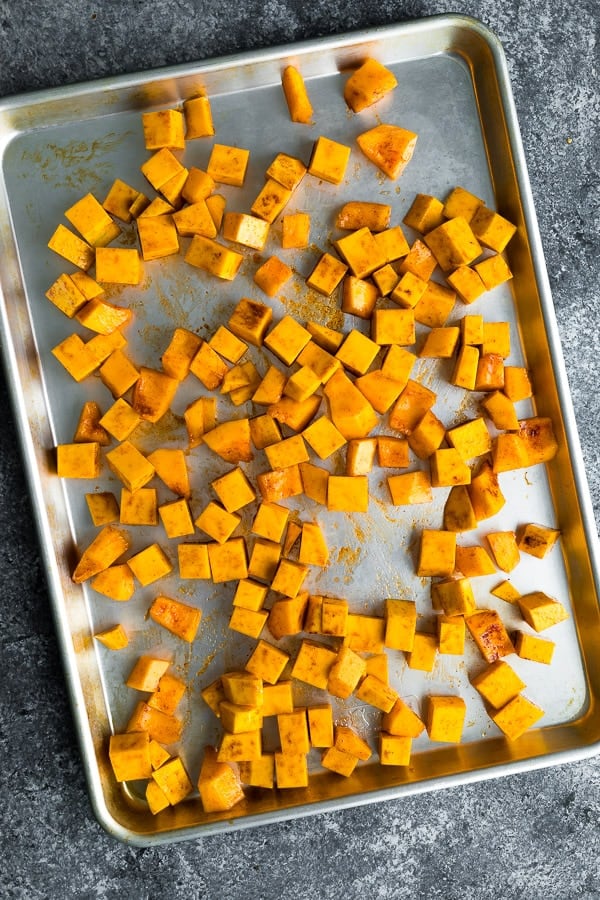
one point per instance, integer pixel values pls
(453, 92)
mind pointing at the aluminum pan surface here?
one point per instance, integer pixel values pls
(46, 167)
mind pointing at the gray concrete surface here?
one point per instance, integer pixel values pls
(536, 835)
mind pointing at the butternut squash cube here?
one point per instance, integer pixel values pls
(402, 721)
(103, 317)
(458, 510)
(376, 693)
(193, 561)
(296, 96)
(272, 275)
(394, 750)
(368, 84)
(490, 635)
(348, 493)
(170, 466)
(346, 673)
(358, 297)
(212, 257)
(470, 439)
(227, 344)
(492, 229)
(129, 756)
(250, 231)
(302, 384)
(198, 118)
(240, 747)
(493, 271)
(72, 248)
(150, 564)
(357, 352)
(92, 221)
(437, 553)
(361, 251)
(445, 718)
(448, 468)
(118, 373)
(138, 507)
(410, 487)
(541, 611)
(505, 549)
(506, 591)
(243, 688)
(287, 339)
(349, 410)
(231, 441)
(146, 673)
(228, 560)
(329, 160)
(314, 481)
(248, 621)
(295, 231)
(270, 201)
(313, 663)
(289, 577)
(427, 436)
(327, 338)
(498, 684)
(161, 727)
(78, 460)
(467, 283)
(293, 732)
(536, 649)
(320, 725)
(440, 343)
(117, 265)
(380, 390)
(393, 326)
(474, 561)
(517, 716)
(461, 202)
(466, 368)
(485, 494)
(400, 624)
(388, 147)
(278, 698)
(179, 618)
(349, 741)
(496, 338)
(291, 770)
(66, 296)
(114, 638)
(279, 484)
(501, 411)
(451, 635)
(264, 559)
(218, 784)
(153, 393)
(103, 508)
(217, 523)
(286, 615)
(326, 274)
(425, 213)
(287, 170)
(267, 662)
(270, 521)
(227, 164)
(536, 540)
(424, 652)
(360, 456)
(453, 597)
(363, 214)
(322, 363)
(258, 772)
(173, 781)
(517, 385)
(386, 278)
(408, 290)
(410, 407)
(365, 634)
(158, 237)
(164, 128)
(176, 518)
(130, 466)
(435, 305)
(120, 199)
(453, 244)
(339, 761)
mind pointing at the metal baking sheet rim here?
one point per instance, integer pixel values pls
(419, 29)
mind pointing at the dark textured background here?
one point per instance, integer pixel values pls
(531, 836)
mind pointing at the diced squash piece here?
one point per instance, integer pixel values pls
(458, 510)
(435, 305)
(242, 228)
(146, 673)
(287, 170)
(490, 635)
(296, 96)
(173, 780)
(320, 725)
(451, 634)
(267, 662)
(286, 615)
(517, 384)
(329, 160)
(118, 265)
(465, 370)
(103, 317)
(393, 243)
(536, 540)
(410, 407)
(198, 117)
(212, 257)
(461, 202)
(365, 634)
(176, 518)
(350, 411)
(179, 618)
(501, 411)
(161, 727)
(346, 673)
(470, 439)
(348, 493)
(534, 648)
(393, 326)
(114, 638)
(248, 621)
(313, 663)
(258, 772)
(103, 508)
(326, 274)
(408, 290)
(440, 343)
(227, 164)
(295, 231)
(115, 582)
(293, 731)
(339, 761)
(231, 441)
(504, 548)
(270, 521)
(108, 545)
(131, 466)
(424, 652)
(376, 693)
(453, 244)
(506, 591)
(129, 756)
(150, 564)
(402, 721)
(448, 468)
(291, 770)
(199, 418)
(314, 481)
(80, 460)
(272, 275)
(474, 561)
(193, 561)
(368, 84)
(410, 487)
(218, 784)
(357, 352)
(120, 199)
(467, 283)
(153, 393)
(400, 624)
(270, 201)
(363, 214)
(195, 218)
(279, 484)
(72, 248)
(389, 147)
(517, 716)
(138, 507)
(278, 698)
(498, 684)
(425, 213)
(380, 390)
(453, 596)
(427, 436)
(437, 553)
(485, 494)
(264, 559)
(493, 271)
(228, 560)
(445, 718)
(164, 128)
(361, 251)
(158, 237)
(541, 611)
(244, 688)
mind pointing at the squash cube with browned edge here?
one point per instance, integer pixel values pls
(179, 618)
(445, 718)
(286, 170)
(392, 452)
(536, 540)
(218, 784)
(498, 684)
(129, 756)
(410, 407)
(437, 553)
(296, 96)
(427, 436)
(485, 493)
(363, 214)
(279, 484)
(161, 727)
(66, 295)
(389, 147)
(212, 257)
(490, 635)
(107, 546)
(267, 662)
(153, 393)
(270, 201)
(329, 160)
(150, 564)
(231, 441)
(504, 548)
(103, 317)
